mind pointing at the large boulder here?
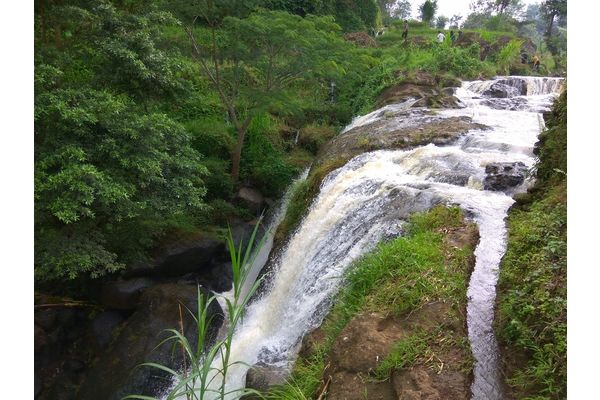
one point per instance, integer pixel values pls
(114, 373)
(251, 199)
(261, 377)
(502, 91)
(427, 89)
(124, 294)
(194, 255)
(503, 176)
(103, 326)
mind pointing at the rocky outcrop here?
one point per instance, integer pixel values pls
(124, 294)
(260, 377)
(502, 91)
(114, 373)
(427, 89)
(251, 198)
(396, 131)
(361, 39)
(56, 328)
(503, 176)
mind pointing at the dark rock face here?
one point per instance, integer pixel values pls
(502, 176)
(502, 91)
(261, 377)
(519, 84)
(251, 199)
(190, 256)
(425, 88)
(114, 374)
(103, 326)
(124, 294)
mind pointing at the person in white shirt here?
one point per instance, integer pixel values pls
(440, 37)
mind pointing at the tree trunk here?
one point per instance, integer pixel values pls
(236, 155)
(550, 25)
(57, 36)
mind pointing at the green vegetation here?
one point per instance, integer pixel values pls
(396, 279)
(147, 124)
(532, 293)
(203, 378)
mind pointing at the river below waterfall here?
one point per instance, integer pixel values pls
(371, 197)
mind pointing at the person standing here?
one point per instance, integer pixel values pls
(441, 37)
(405, 31)
(452, 37)
(536, 62)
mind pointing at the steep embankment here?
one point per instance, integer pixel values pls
(399, 326)
(532, 293)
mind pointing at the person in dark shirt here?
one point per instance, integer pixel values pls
(405, 31)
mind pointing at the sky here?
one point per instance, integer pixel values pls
(449, 8)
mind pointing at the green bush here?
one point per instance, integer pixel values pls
(263, 160)
(313, 136)
(463, 62)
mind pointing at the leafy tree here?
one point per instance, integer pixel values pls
(111, 170)
(298, 7)
(402, 9)
(551, 10)
(428, 10)
(441, 21)
(392, 9)
(455, 21)
(511, 8)
(253, 62)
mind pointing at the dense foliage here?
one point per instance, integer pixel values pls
(107, 162)
(147, 123)
(532, 292)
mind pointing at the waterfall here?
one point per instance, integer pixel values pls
(371, 197)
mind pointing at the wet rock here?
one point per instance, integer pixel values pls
(501, 90)
(261, 377)
(192, 256)
(40, 338)
(46, 318)
(124, 294)
(251, 199)
(37, 385)
(425, 88)
(74, 365)
(114, 374)
(405, 129)
(103, 326)
(519, 84)
(502, 176)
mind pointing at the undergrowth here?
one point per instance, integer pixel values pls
(532, 292)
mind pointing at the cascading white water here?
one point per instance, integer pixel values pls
(368, 200)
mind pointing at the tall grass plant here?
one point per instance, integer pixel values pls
(205, 365)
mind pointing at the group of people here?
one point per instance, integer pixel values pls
(440, 36)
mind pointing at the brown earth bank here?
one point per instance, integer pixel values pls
(443, 370)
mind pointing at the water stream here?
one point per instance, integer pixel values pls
(369, 200)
